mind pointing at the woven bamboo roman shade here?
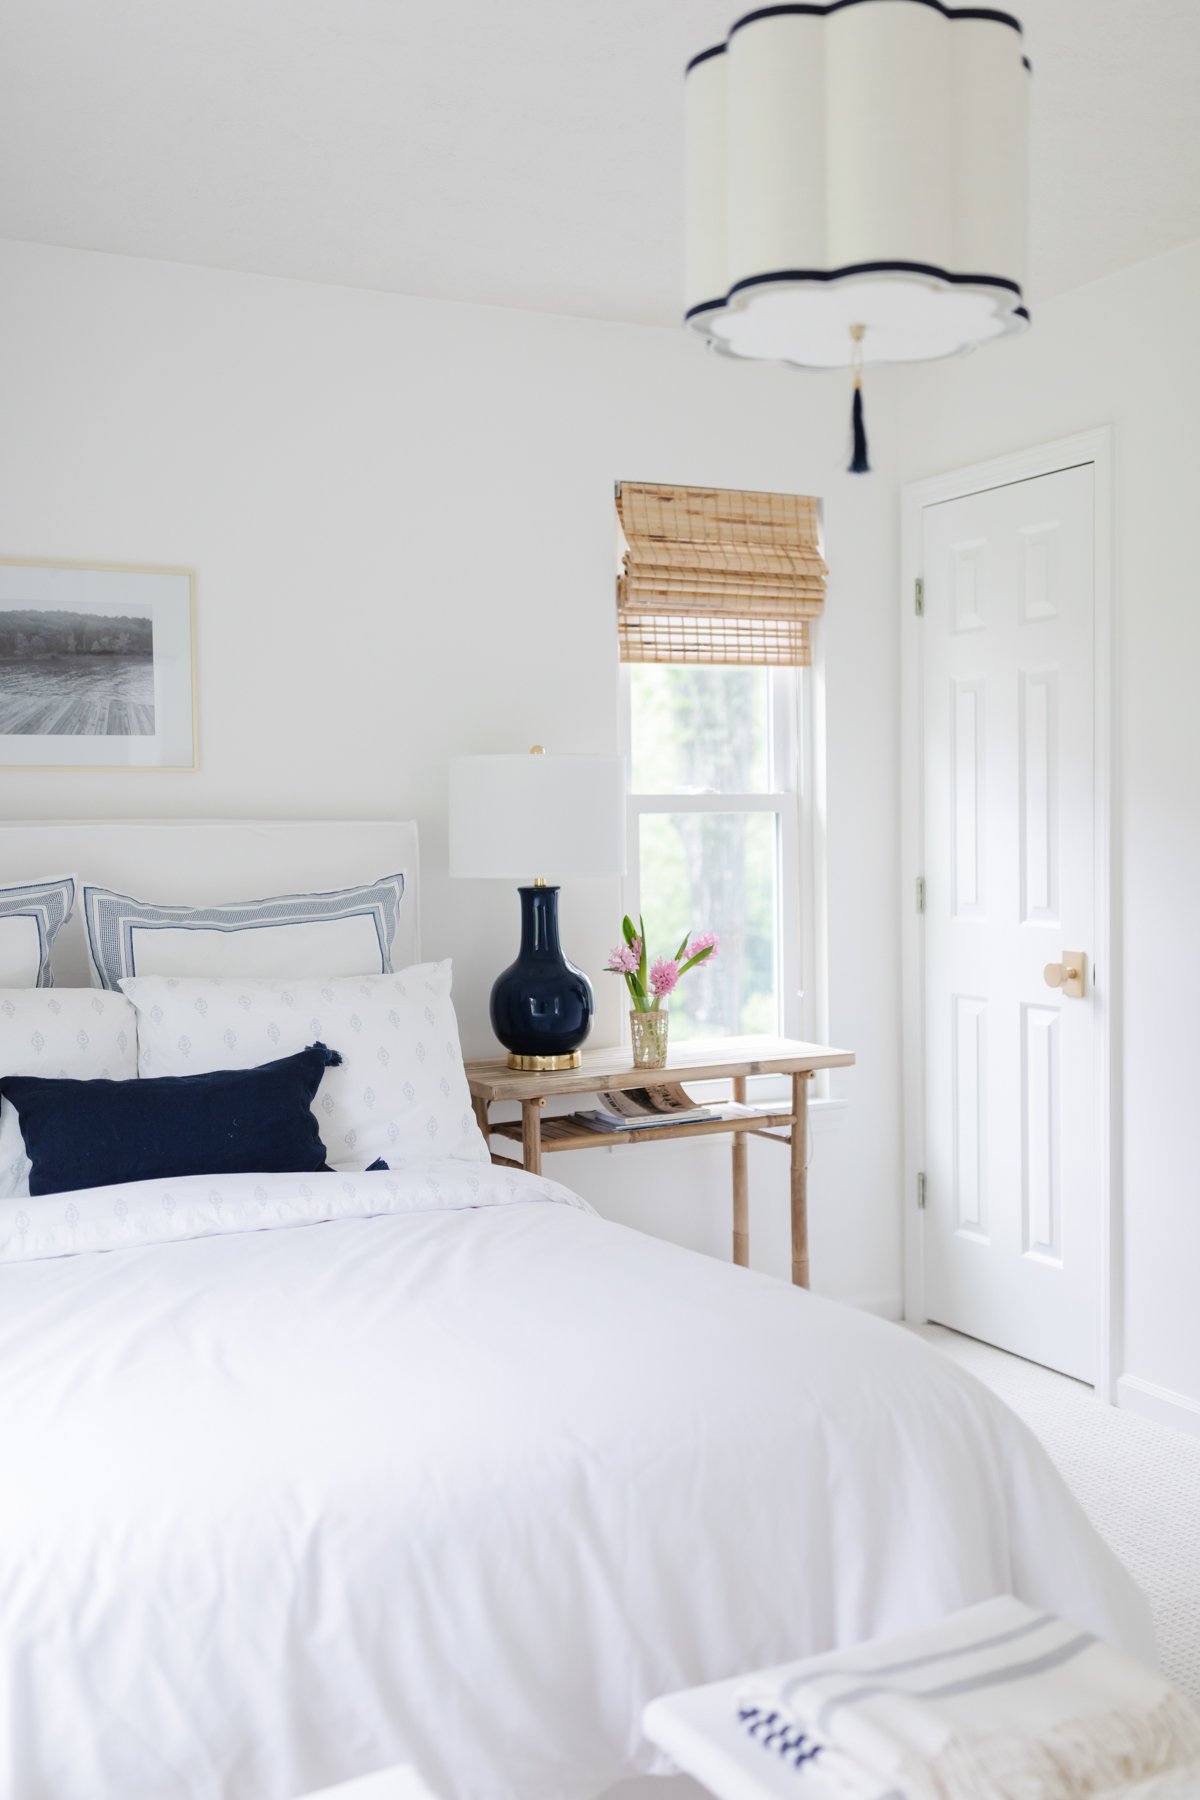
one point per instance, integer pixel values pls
(715, 575)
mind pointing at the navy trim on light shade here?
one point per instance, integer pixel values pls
(868, 268)
(875, 268)
(953, 13)
(703, 306)
(832, 6)
(715, 50)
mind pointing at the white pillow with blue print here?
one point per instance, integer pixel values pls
(401, 1090)
(347, 932)
(74, 1033)
(31, 916)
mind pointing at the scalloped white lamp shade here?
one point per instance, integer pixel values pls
(858, 164)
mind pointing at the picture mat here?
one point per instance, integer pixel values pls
(164, 596)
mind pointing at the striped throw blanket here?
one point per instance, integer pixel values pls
(994, 1703)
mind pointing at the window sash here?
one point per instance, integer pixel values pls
(798, 1009)
(774, 801)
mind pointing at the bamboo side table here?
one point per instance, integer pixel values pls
(724, 1059)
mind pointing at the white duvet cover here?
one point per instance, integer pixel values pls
(466, 1483)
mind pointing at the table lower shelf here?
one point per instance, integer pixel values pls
(566, 1131)
(537, 1134)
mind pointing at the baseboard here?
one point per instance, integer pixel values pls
(1159, 1403)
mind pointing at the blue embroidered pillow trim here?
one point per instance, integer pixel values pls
(49, 904)
(111, 918)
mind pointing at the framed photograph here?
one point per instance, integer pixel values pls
(97, 666)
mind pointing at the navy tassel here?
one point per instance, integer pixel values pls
(858, 462)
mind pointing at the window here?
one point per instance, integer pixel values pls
(714, 837)
(715, 598)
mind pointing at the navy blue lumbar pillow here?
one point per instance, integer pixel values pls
(81, 1134)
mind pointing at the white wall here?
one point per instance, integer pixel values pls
(1122, 352)
(401, 516)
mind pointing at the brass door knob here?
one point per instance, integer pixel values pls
(1069, 975)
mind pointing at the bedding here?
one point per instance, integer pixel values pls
(401, 1089)
(81, 1133)
(462, 1476)
(67, 1032)
(31, 916)
(349, 932)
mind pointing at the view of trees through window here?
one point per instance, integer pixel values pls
(705, 734)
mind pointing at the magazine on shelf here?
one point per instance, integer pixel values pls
(659, 1106)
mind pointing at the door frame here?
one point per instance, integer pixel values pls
(1094, 447)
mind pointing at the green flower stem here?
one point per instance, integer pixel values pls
(637, 983)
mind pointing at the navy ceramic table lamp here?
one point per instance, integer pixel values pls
(529, 818)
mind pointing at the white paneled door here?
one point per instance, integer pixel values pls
(1012, 1190)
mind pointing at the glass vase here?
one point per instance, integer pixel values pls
(649, 1033)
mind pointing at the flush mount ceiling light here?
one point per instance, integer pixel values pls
(856, 184)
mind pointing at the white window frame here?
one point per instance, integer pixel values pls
(796, 797)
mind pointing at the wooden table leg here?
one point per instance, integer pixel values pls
(800, 1180)
(741, 1185)
(481, 1119)
(531, 1134)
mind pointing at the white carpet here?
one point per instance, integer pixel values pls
(1138, 1482)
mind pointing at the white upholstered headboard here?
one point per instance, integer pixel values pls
(203, 861)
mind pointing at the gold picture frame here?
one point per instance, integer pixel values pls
(109, 667)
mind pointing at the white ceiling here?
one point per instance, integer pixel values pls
(519, 152)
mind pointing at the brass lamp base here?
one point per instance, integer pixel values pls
(536, 1063)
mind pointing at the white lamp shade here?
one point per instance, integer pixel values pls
(859, 164)
(528, 816)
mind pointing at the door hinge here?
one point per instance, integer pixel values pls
(921, 1191)
(919, 596)
(920, 893)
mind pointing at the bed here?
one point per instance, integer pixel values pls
(461, 1475)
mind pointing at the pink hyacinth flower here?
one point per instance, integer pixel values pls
(624, 959)
(706, 941)
(663, 976)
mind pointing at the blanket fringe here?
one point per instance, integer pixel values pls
(1090, 1755)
